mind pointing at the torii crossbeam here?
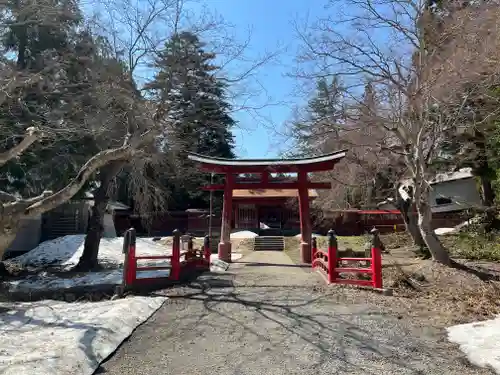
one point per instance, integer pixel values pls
(264, 167)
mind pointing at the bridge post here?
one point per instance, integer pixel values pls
(175, 261)
(206, 249)
(130, 263)
(314, 249)
(332, 256)
(376, 259)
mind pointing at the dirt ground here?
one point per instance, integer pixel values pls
(267, 315)
(424, 289)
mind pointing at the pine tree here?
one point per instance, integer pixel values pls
(192, 98)
(38, 40)
(324, 117)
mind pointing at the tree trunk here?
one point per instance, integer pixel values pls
(405, 205)
(89, 259)
(436, 248)
(485, 172)
(411, 224)
(488, 192)
(6, 238)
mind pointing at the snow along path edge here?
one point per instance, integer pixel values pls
(479, 341)
(58, 338)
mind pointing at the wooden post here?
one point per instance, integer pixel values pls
(314, 249)
(224, 249)
(126, 243)
(332, 256)
(305, 220)
(376, 259)
(236, 215)
(189, 254)
(206, 249)
(175, 261)
(130, 264)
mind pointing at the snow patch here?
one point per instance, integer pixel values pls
(313, 235)
(234, 256)
(66, 251)
(441, 231)
(244, 234)
(480, 341)
(58, 338)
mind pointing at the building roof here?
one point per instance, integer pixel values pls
(316, 163)
(452, 176)
(270, 193)
(439, 178)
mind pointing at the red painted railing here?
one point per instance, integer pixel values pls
(327, 263)
(178, 261)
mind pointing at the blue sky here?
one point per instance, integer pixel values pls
(271, 23)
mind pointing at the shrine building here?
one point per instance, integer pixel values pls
(273, 176)
(268, 212)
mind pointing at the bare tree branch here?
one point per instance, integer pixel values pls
(32, 135)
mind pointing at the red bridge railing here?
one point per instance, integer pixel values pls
(327, 263)
(178, 261)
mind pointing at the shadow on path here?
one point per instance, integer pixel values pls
(269, 319)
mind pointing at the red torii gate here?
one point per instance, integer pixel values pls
(230, 168)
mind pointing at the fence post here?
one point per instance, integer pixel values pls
(376, 259)
(314, 250)
(332, 256)
(130, 263)
(190, 254)
(126, 243)
(206, 249)
(175, 261)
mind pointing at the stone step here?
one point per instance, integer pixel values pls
(271, 243)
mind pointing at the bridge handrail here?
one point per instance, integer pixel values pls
(193, 258)
(326, 262)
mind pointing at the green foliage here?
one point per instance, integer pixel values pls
(69, 100)
(195, 102)
(323, 119)
(474, 245)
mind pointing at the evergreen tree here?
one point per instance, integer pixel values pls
(324, 117)
(38, 41)
(195, 102)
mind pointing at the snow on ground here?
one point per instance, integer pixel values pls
(234, 256)
(65, 251)
(441, 231)
(314, 235)
(244, 234)
(58, 338)
(480, 341)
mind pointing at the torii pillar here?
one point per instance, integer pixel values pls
(230, 168)
(305, 220)
(224, 248)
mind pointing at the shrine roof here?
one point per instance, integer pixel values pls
(315, 163)
(270, 193)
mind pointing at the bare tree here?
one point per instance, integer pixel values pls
(14, 209)
(389, 43)
(100, 109)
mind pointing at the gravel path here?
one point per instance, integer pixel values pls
(269, 316)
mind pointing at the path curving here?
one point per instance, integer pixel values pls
(270, 316)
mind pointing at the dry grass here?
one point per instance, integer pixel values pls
(446, 295)
(423, 289)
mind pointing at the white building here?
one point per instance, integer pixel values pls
(450, 192)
